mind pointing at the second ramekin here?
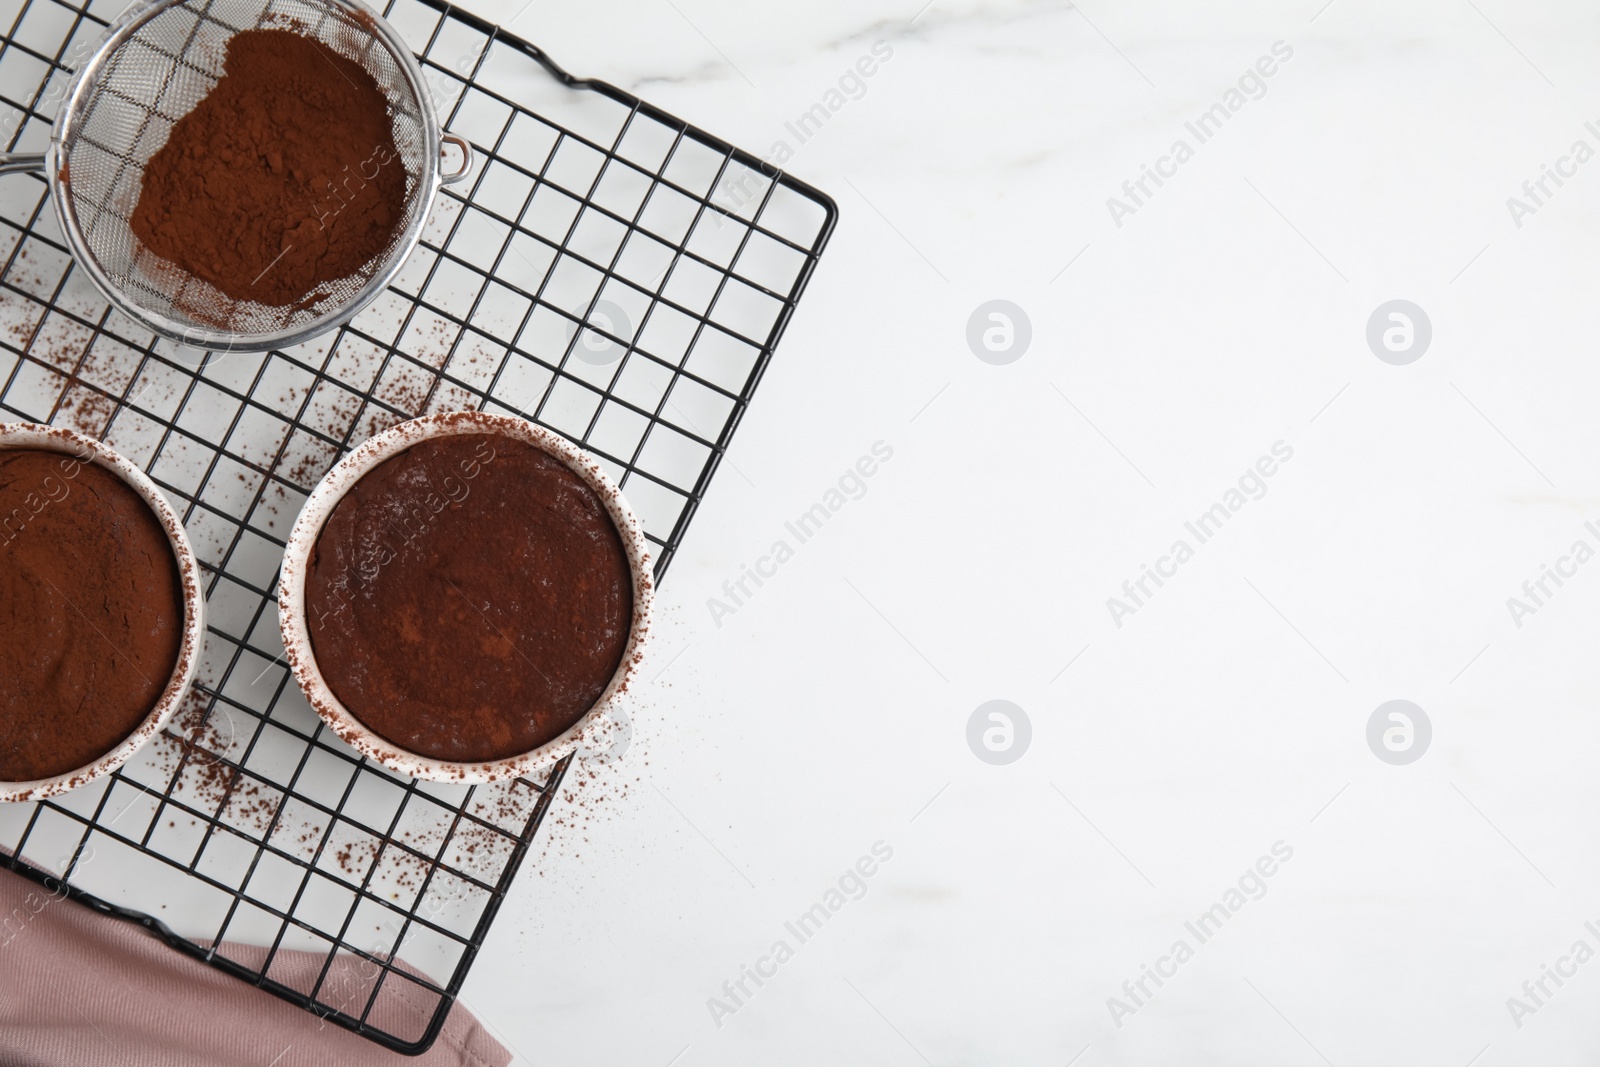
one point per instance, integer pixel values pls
(593, 732)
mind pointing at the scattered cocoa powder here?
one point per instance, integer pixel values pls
(85, 410)
(202, 738)
(91, 613)
(284, 178)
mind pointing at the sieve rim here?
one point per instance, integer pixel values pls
(118, 33)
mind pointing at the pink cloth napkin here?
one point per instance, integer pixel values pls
(79, 989)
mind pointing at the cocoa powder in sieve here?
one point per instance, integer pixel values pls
(91, 613)
(283, 179)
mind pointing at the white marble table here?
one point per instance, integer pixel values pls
(1180, 739)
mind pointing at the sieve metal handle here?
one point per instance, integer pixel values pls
(450, 178)
(21, 162)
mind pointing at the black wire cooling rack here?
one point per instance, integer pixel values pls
(613, 274)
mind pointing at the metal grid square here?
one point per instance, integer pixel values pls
(609, 272)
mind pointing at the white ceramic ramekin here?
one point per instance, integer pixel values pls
(27, 435)
(600, 725)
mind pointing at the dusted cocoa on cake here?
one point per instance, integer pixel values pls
(469, 599)
(91, 613)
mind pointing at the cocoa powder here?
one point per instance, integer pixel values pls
(284, 178)
(91, 613)
(469, 599)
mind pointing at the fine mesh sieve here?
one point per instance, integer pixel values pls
(157, 62)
